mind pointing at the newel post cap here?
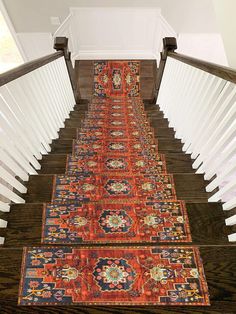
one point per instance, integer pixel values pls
(170, 43)
(61, 44)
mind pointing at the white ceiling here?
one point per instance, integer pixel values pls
(185, 16)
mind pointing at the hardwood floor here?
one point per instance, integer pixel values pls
(206, 219)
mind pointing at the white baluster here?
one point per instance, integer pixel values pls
(14, 153)
(6, 192)
(213, 123)
(14, 166)
(227, 171)
(232, 237)
(18, 142)
(230, 204)
(47, 98)
(220, 194)
(203, 118)
(29, 113)
(39, 107)
(6, 176)
(230, 221)
(17, 128)
(3, 223)
(17, 111)
(4, 207)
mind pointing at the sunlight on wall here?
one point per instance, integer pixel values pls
(9, 54)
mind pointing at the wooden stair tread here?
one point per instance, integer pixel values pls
(206, 224)
(165, 145)
(219, 265)
(189, 187)
(176, 163)
(84, 72)
(70, 132)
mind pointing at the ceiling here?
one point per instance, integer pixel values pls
(185, 16)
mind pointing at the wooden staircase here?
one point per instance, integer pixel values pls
(206, 219)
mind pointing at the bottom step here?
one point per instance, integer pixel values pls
(219, 265)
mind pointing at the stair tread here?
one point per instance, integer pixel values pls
(25, 224)
(163, 132)
(164, 145)
(219, 266)
(176, 163)
(189, 186)
(85, 78)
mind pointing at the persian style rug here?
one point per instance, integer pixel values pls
(101, 164)
(116, 78)
(103, 223)
(118, 147)
(112, 188)
(116, 189)
(104, 276)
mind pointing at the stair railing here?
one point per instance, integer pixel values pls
(199, 100)
(35, 100)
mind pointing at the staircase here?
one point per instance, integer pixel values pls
(207, 223)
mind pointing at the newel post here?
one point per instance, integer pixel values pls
(169, 44)
(61, 44)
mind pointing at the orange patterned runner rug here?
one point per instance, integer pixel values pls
(121, 276)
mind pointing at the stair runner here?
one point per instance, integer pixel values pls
(115, 190)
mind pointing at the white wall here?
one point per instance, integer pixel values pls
(111, 32)
(225, 13)
(194, 20)
(36, 45)
(138, 36)
(184, 16)
(208, 47)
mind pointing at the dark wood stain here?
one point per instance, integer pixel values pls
(53, 164)
(178, 163)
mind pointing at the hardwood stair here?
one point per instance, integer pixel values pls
(219, 266)
(206, 219)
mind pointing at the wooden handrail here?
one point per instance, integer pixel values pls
(225, 73)
(169, 47)
(28, 67)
